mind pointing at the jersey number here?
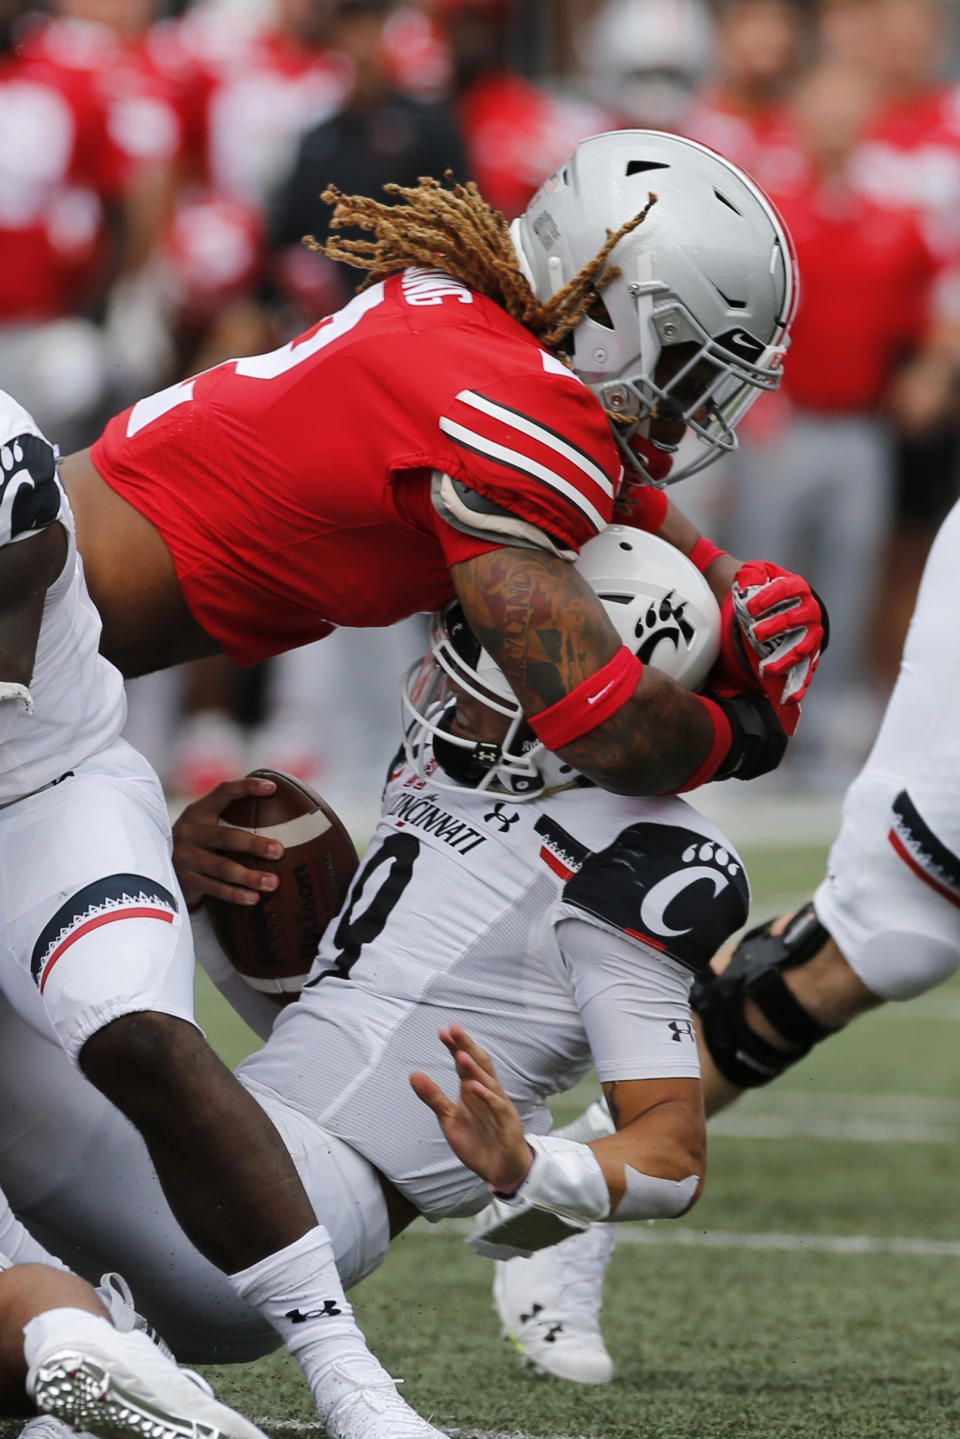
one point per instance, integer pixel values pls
(260, 367)
(393, 865)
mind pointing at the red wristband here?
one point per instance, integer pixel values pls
(719, 749)
(704, 553)
(592, 702)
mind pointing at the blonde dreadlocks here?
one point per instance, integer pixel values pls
(449, 226)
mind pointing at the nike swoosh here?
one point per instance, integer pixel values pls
(592, 699)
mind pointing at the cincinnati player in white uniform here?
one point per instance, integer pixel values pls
(83, 829)
(98, 959)
(564, 931)
(884, 924)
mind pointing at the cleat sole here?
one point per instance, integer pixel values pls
(81, 1393)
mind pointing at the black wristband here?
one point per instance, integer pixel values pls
(758, 740)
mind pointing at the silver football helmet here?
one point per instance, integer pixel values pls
(711, 268)
(661, 607)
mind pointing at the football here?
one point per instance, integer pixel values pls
(272, 943)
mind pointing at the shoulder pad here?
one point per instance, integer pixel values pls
(483, 519)
(669, 887)
(29, 490)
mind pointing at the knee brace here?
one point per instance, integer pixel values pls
(756, 972)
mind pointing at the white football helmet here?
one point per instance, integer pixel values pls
(711, 268)
(661, 607)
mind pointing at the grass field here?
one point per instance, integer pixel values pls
(815, 1290)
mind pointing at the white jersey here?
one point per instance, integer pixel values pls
(78, 698)
(562, 933)
(891, 897)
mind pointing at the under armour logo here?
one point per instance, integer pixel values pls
(297, 1316)
(498, 815)
(682, 1029)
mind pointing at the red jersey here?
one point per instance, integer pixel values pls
(764, 143)
(140, 101)
(911, 158)
(294, 489)
(57, 164)
(867, 274)
(248, 109)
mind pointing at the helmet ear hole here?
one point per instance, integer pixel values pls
(599, 313)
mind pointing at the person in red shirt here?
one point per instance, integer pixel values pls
(910, 158)
(428, 439)
(744, 112)
(246, 98)
(106, 44)
(868, 306)
(60, 174)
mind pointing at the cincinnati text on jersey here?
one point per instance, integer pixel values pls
(423, 811)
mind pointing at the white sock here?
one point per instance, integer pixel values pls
(298, 1290)
(66, 1326)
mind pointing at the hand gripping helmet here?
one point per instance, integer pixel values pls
(661, 607)
(711, 268)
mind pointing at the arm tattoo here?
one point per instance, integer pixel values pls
(548, 632)
(542, 624)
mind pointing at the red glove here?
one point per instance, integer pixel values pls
(774, 629)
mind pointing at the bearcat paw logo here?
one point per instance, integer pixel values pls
(664, 621)
(711, 853)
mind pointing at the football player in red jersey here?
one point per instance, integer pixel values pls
(461, 427)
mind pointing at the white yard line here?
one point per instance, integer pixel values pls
(784, 1113)
(311, 1426)
(813, 1126)
(822, 1243)
(852, 1118)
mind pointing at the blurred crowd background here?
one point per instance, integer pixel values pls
(160, 162)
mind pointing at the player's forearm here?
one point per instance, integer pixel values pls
(550, 634)
(653, 745)
(667, 1142)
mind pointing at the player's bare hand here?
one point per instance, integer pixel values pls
(483, 1128)
(199, 842)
